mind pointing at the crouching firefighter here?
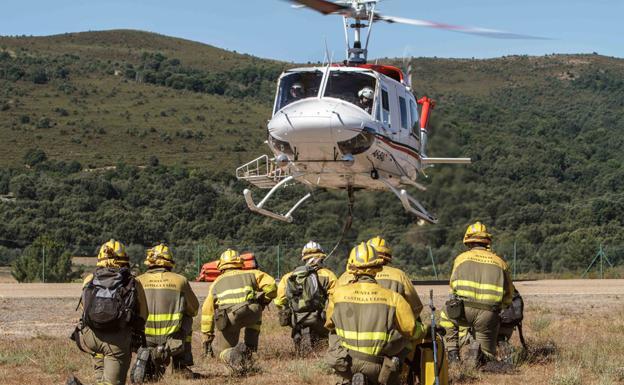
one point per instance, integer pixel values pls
(480, 287)
(235, 302)
(370, 326)
(114, 310)
(302, 296)
(171, 306)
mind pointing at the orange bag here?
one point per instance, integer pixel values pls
(209, 271)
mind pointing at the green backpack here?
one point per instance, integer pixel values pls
(304, 291)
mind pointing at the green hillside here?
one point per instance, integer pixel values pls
(175, 117)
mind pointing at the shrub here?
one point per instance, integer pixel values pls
(34, 156)
(44, 260)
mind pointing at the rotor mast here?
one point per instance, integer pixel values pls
(364, 12)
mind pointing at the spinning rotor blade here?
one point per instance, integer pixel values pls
(324, 7)
(493, 33)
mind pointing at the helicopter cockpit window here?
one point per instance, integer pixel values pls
(353, 87)
(414, 115)
(298, 85)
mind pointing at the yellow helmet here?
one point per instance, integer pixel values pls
(363, 260)
(477, 233)
(113, 254)
(381, 247)
(312, 250)
(230, 259)
(159, 256)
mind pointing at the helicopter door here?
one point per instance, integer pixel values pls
(385, 109)
(404, 117)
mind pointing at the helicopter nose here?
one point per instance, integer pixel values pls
(317, 121)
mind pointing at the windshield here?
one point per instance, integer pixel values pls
(353, 87)
(296, 86)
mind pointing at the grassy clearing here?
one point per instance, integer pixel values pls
(583, 347)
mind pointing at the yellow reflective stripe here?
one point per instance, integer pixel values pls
(239, 290)
(370, 350)
(230, 301)
(363, 336)
(164, 317)
(162, 331)
(477, 285)
(479, 296)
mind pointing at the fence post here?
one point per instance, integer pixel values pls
(198, 271)
(435, 272)
(278, 262)
(43, 265)
(514, 261)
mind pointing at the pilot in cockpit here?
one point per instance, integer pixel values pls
(365, 96)
(296, 92)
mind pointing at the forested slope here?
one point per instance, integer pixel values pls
(175, 117)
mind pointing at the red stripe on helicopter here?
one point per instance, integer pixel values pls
(399, 146)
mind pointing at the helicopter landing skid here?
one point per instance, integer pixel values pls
(258, 208)
(411, 204)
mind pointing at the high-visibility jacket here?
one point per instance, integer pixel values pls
(366, 316)
(233, 287)
(327, 280)
(169, 298)
(482, 277)
(393, 279)
(141, 301)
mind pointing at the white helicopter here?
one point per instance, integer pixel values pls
(351, 126)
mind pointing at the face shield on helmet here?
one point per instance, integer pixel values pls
(159, 256)
(113, 254)
(477, 234)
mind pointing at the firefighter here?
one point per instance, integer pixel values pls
(302, 296)
(114, 313)
(171, 307)
(370, 326)
(235, 301)
(480, 286)
(390, 277)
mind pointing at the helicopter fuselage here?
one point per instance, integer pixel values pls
(325, 135)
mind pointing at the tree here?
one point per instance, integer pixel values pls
(44, 260)
(35, 156)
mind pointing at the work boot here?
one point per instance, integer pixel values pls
(358, 379)
(474, 358)
(453, 357)
(236, 359)
(72, 380)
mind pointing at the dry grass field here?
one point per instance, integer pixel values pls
(575, 330)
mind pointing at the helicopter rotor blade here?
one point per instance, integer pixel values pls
(324, 7)
(486, 32)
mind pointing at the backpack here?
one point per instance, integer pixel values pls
(513, 315)
(109, 299)
(304, 291)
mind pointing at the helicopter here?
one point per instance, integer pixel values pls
(350, 125)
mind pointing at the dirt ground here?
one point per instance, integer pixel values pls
(575, 329)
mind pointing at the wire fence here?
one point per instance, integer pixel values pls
(427, 263)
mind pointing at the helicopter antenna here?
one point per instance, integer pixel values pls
(326, 53)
